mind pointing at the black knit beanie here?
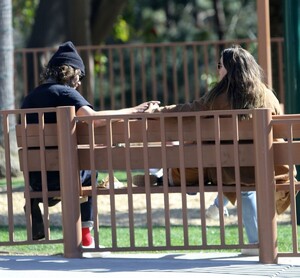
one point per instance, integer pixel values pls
(67, 55)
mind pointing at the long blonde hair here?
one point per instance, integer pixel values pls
(243, 82)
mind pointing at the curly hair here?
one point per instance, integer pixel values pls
(63, 75)
(243, 82)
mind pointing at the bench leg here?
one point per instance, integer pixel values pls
(69, 181)
(265, 186)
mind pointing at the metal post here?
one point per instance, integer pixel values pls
(265, 186)
(69, 181)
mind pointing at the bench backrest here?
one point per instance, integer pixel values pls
(34, 138)
(286, 135)
(155, 136)
(181, 140)
(37, 143)
(157, 141)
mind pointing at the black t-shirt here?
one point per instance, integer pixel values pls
(53, 95)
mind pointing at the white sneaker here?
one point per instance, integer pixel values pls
(226, 213)
(92, 245)
(213, 212)
(250, 252)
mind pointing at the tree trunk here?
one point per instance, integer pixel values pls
(6, 73)
(219, 18)
(104, 15)
(49, 26)
(83, 22)
(220, 21)
(6, 56)
(78, 30)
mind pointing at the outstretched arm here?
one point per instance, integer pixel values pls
(147, 107)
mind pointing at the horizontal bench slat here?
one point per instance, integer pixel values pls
(33, 137)
(39, 194)
(87, 190)
(135, 129)
(283, 151)
(34, 160)
(154, 155)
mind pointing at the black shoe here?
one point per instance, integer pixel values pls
(159, 181)
(38, 229)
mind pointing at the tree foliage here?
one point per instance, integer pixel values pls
(183, 20)
(23, 19)
(46, 23)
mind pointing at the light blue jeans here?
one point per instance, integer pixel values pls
(249, 213)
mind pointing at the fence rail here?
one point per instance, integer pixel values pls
(120, 76)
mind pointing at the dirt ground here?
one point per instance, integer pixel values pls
(139, 207)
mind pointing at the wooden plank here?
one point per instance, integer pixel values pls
(33, 137)
(283, 151)
(34, 161)
(171, 132)
(87, 190)
(154, 158)
(283, 129)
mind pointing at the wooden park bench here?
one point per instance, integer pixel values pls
(212, 139)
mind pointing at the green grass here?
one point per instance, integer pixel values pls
(141, 234)
(141, 239)
(17, 182)
(120, 175)
(36, 249)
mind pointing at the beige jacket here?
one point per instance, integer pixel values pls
(247, 173)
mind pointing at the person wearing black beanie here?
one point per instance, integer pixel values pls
(67, 55)
(59, 81)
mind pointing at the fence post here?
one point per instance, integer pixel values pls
(265, 186)
(69, 179)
